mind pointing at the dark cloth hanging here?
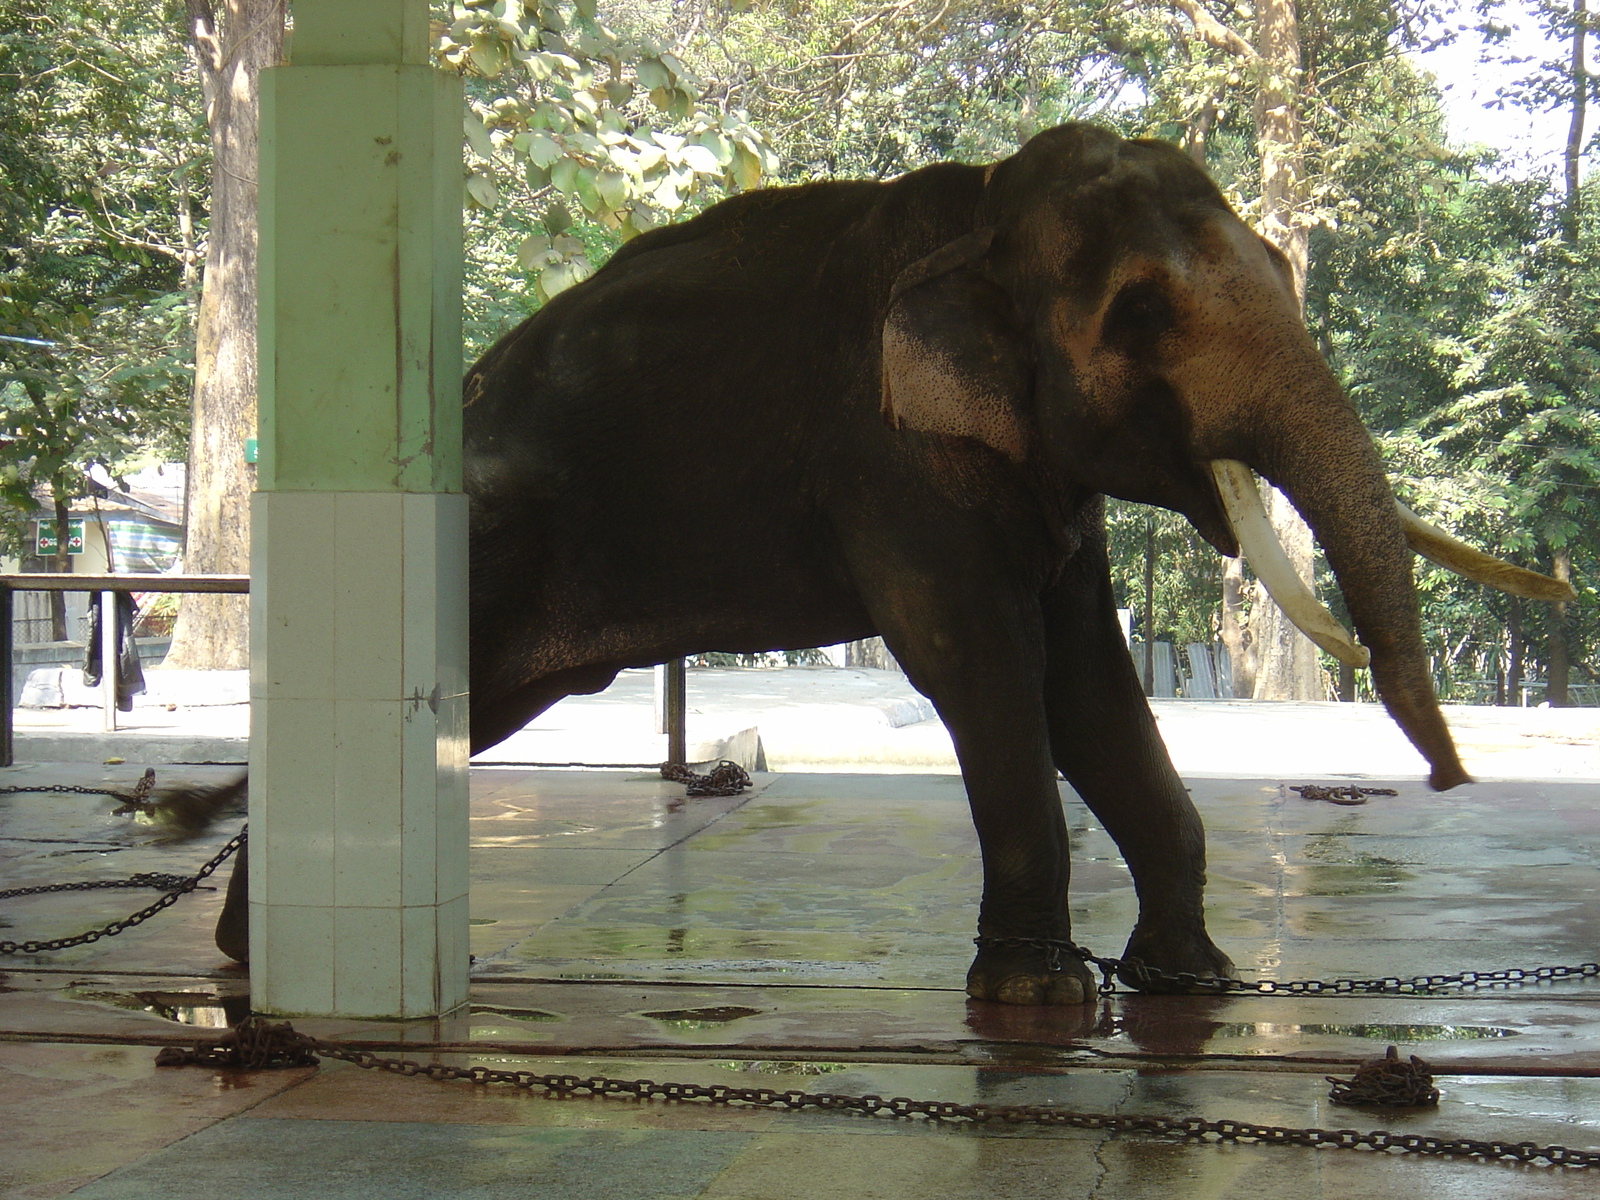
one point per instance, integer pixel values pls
(130, 672)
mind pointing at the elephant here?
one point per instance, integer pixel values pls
(899, 405)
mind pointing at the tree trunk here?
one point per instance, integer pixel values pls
(1347, 683)
(1198, 134)
(1579, 76)
(1557, 663)
(870, 652)
(212, 632)
(1287, 667)
(1514, 653)
(61, 563)
(1234, 630)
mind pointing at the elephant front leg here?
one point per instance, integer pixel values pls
(233, 923)
(1104, 739)
(983, 670)
(1024, 928)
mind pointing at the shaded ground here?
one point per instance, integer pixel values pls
(814, 935)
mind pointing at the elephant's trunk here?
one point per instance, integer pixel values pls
(1333, 477)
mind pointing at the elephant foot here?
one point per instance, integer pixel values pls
(233, 925)
(1021, 973)
(1173, 953)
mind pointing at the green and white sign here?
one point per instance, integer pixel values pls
(44, 537)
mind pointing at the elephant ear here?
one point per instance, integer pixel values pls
(954, 360)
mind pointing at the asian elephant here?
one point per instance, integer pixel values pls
(893, 408)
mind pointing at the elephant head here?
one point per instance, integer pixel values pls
(1112, 326)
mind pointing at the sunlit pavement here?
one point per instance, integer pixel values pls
(813, 935)
(829, 719)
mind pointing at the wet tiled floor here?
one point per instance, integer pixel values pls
(814, 935)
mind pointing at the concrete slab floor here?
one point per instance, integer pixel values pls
(814, 935)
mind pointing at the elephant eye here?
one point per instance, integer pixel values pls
(1140, 314)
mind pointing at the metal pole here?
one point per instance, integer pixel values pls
(6, 697)
(659, 692)
(108, 660)
(1149, 606)
(677, 707)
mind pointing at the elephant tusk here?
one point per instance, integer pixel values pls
(1259, 545)
(1455, 555)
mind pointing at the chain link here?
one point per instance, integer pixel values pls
(1387, 1082)
(137, 800)
(149, 879)
(725, 779)
(176, 886)
(1416, 985)
(1340, 795)
(257, 1043)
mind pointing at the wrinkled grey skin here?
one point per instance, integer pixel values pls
(814, 414)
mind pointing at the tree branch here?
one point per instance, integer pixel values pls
(1214, 33)
(203, 36)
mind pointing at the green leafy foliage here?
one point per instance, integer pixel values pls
(851, 88)
(102, 180)
(1455, 303)
(1187, 573)
(1465, 333)
(569, 122)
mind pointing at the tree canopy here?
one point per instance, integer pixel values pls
(1452, 292)
(101, 190)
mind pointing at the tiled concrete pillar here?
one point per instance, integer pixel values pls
(358, 790)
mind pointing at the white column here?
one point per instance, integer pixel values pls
(358, 740)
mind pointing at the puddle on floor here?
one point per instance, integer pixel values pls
(691, 1019)
(1379, 1033)
(516, 1014)
(203, 1010)
(763, 1067)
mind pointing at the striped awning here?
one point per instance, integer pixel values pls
(141, 547)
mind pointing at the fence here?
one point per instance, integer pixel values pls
(672, 706)
(1195, 671)
(108, 586)
(30, 620)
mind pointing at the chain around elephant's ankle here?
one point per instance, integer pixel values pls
(1053, 948)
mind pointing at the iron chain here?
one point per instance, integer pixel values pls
(1387, 1082)
(724, 779)
(176, 887)
(1341, 795)
(136, 800)
(149, 879)
(1416, 985)
(257, 1043)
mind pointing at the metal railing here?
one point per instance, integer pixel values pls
(107, 586)
(671, 696)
